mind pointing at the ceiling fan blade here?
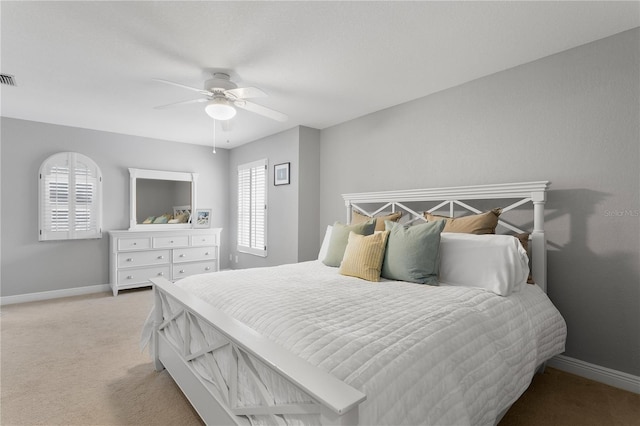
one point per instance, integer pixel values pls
(245, 92)
(192, 101)
(195, 89)
(259, 109)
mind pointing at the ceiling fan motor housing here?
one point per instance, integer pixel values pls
(219, 83)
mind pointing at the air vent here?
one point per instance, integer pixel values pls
(7, 79)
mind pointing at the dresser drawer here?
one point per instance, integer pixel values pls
(133, 259)
(141, 275)
(185, 269)
(134, 243)
(203, 240)
(174, 241)
(195, 253)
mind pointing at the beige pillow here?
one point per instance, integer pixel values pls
(483, 223)
(524, 240)
(359, 218)
(363, 255)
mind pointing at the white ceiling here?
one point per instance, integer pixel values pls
(91, 64)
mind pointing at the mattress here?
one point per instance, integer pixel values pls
(422, 354)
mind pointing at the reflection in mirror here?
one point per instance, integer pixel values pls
(161, 199)
(156, 198)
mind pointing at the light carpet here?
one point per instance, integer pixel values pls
(76, 361)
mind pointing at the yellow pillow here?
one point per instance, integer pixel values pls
(483, 223)
(363, 255)
(359, 218)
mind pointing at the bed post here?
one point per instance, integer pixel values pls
(538, 240)
(347, 204)
(157, 320)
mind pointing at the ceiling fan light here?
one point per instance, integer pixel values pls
(219, 109)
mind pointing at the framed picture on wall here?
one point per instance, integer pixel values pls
(281, 174)
(202, 218)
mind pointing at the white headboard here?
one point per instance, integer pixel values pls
(523, 193)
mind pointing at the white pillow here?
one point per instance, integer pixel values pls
(497, 263)
(325, 243)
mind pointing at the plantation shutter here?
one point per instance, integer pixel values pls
(70, 198)
(252, 208)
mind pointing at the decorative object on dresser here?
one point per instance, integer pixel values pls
(137, 256)
(202, 218)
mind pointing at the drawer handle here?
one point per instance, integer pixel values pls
(160, 274)
(182, 271)
(161, 257)
(135, 244)
(182, 255)
(204, 239)
(208, 268)
(129, 277)
(206, 254)
(171, 241)
(129, 259)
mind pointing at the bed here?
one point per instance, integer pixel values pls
(306, 344)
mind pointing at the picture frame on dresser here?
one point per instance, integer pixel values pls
(202, 218)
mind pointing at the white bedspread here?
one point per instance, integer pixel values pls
(422, 354)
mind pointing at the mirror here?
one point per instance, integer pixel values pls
(161, 199)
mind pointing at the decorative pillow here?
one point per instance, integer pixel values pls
(325, 243)
(161, 219)
(363, 255)
(524, 240)
(150, 219)
(497, 263)
(340, 238)
(181, 218)
(413, 252)
(357, 217)
(483, 223)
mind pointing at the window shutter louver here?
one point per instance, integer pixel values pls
(70, 198)
(252, 204)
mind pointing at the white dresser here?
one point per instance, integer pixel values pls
(136, 256)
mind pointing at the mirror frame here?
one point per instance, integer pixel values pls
(135, 174)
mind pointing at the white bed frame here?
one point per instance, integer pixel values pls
(335, 402)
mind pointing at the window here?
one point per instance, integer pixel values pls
(70, 198)
(252, 208)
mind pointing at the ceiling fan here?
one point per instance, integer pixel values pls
(222, 96)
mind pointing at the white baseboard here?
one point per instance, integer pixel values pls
(54, 294)
(610, 377)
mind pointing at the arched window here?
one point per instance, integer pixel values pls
(70, 198)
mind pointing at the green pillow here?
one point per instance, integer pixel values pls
(413, 252)
(340, 238)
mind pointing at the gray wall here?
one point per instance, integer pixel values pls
(292, 214)
(309, 188)
(29, 266)
(571, 118)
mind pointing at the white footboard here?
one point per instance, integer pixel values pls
(216, 397)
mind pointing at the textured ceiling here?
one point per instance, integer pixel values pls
(92, 64)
